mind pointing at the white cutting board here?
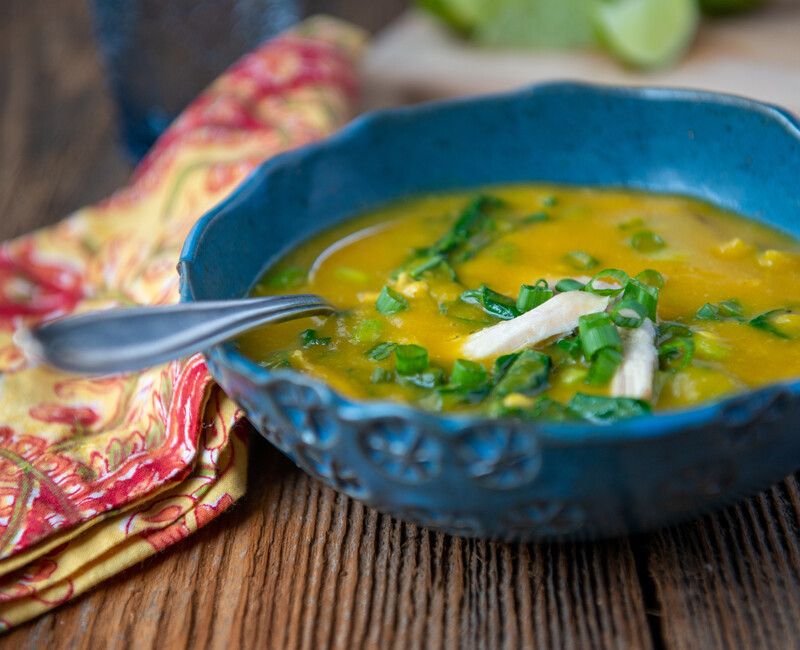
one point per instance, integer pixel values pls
(755, 55)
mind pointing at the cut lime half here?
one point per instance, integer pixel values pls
(646, 33)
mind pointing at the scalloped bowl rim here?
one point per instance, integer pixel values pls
(655, 425)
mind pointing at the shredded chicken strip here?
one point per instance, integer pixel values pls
(559, 315)
(634, 377)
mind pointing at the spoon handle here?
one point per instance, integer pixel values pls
(122, 340)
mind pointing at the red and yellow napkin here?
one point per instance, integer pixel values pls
(98, 473)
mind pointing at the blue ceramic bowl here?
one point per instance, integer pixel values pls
(499, 478)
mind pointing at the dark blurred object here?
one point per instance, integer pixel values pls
(723, 7)
(159, 54)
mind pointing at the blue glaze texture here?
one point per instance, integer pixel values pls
(498, 478)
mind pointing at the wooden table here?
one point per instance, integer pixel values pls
(295, 565)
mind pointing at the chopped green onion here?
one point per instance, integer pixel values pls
(571, 345)
(628, 313)
(644, 294)
(619, 277)
(390, 302)
(381, 351)
(349, 274)
(726, 310)
(603, 367)
(288, 278)
(764, 322)
(651, 278)
(503, 363)
(472, 220)
(531, 296)
(368, 330)
(603, 410)
(492, 302)
(526, 374)
(568, 284)
(581, 260)
(418, 267)
(646, 241)
(410, 359)
(309, 338)
(549, 201)
(676, 353)
(536, 217)
(597, 332)
(468, 375)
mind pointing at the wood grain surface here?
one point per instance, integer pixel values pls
(294, 565)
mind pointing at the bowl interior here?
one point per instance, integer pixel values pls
(739, 154)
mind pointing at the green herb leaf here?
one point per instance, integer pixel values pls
(581, 260)
(764, 322)
(604, 410)
(390, 302)
(527, 374)
(492, 302)
(310, 338)
(646, 241)
(381, 351)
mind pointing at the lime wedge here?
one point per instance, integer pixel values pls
(536, 23)
(646, 33)
(460, 15)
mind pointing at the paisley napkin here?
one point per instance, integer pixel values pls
(96, 474)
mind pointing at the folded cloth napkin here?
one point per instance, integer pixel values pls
(98, 473)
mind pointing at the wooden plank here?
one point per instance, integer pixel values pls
(56, 121)
(296, 565)
(732, 579)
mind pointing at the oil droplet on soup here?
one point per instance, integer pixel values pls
(540, 301)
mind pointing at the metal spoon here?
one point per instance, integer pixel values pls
(122, 340)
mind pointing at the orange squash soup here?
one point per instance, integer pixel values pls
(535, 301)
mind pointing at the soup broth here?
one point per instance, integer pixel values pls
(542, 302)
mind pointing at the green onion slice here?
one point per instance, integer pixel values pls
(603, 410)
(492, 302)
(651, 278)
(568, 284)
(581, 260)
(676, 353)
(644, 294)
(628, 313)
(381, 351)
(526, 374)
(604, 366)
(390, 302)
(468, 375)
(617, 276)
(410, 359)
(764, 322)
(531, 296)
(646, 241)
(597, 332)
